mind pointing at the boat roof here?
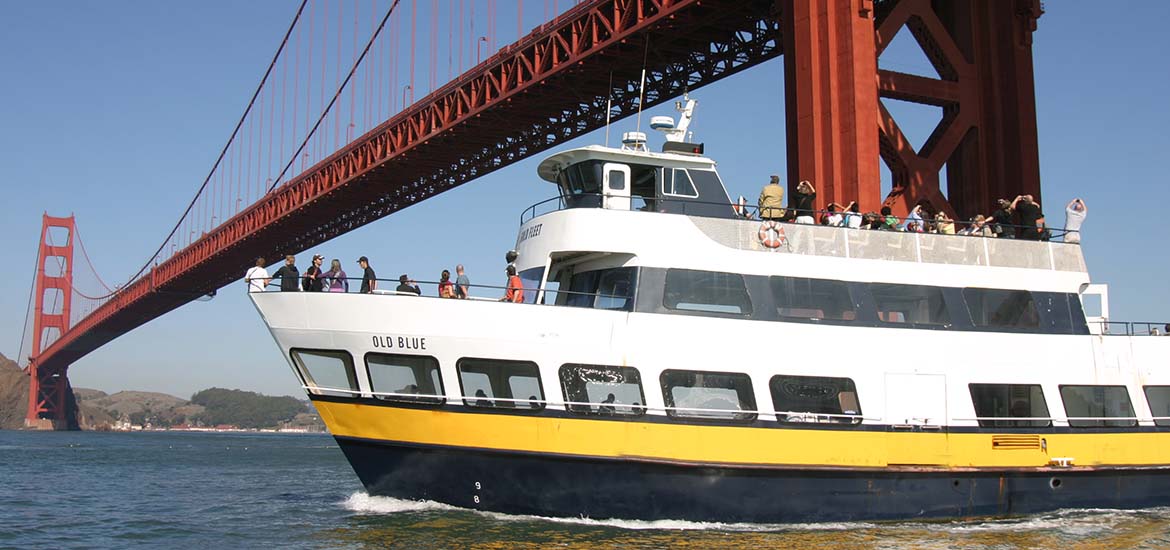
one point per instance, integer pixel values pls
(552, 166)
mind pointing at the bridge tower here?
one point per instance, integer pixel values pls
(48, 392)
(838, 127)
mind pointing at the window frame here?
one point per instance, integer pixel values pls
(587, 410)
(1165, 422)
(839, 417)
(738, 416)
(1105, 422)
(774, 280)
(984, 323)
(992, 421)
(355, 389)
(877, 305)
(439, 398)
(742, 314)
(512, 403)
(673, 175)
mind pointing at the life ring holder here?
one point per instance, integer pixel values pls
(771, 235)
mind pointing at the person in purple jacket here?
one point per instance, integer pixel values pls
(336, 277)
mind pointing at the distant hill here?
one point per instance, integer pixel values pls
(98, 410)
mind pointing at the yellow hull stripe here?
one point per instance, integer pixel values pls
(738, 445)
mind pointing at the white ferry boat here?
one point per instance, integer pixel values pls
(674, 360)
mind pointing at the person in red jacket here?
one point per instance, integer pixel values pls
(515, 289)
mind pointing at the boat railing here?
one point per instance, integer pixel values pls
(963, 228)
(633, 409)
(531, 294)
(619, 409)
(1129, 328)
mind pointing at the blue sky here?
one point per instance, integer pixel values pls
(115, 111)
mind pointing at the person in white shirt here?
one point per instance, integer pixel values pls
(914, 220)
(853, 216)
(257, 277)
(1074, 216)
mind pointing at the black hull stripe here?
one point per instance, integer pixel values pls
(543, 485)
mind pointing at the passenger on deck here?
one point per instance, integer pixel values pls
(1031, 218)
(771, 201)
(336, 276)
(446, 287)
(313, 282)
(369, 280)
(1167, 331)
(803, 201)
(914, 218)
(462, 283)
(514, 292)
(1001, 220)
(833, 217)
(482, 400)
(889, 220)
(853, 217)
(533, 402)
(288, 275)
(1074, 216)
(945, 225)
(407, 286)
(257, 277)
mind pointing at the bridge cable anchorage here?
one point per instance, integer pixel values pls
(340, 90)
(175, 229)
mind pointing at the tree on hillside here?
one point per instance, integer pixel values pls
(244, 408)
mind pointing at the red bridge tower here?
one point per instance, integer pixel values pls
(49, 396)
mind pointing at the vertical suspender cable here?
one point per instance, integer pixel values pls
(337, 116)
(413, 29)
(434, 42)
(357, 63)
(322, 144)
(309, 80)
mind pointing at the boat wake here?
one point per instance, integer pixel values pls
(368, 504)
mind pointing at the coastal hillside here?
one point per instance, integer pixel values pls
(210, 408)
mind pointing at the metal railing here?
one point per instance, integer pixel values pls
(1131, 328)
(751, 212)
(384, 291)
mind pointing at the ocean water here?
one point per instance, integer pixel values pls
(205, 490)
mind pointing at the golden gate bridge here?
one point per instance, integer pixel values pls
(350, 122)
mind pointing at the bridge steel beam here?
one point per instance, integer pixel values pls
(547, 88)
(48, 386)
(987, 139)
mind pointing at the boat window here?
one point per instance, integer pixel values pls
(709, 395)
(405, 375)
(531, 279)
(910, 304)
(677, 183)
(706, 291)
(1061, 313)
(1158, 398)
(581, 178)
(1091, 406)
(609, 391)
(815, 399)
(996, 308)
(500, 383)
(812, 299)
(1010, 401)
(603, 289)
(327, 372)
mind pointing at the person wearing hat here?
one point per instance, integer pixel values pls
(771, 202)
(313, 282)
(515, 289)
(407, 286)
(369, 280)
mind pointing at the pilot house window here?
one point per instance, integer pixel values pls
(405, 376)
(603, 390)
(815, 399)
(500, 384)
(1159, 400)
(709, 395)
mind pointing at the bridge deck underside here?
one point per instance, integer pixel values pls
(550, 87)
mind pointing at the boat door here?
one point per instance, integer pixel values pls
(916, 411)
(617, 186)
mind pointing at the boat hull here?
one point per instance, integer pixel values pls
(602, 488)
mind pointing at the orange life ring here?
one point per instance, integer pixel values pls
(771, 235)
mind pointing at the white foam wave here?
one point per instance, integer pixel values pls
(683, 525)
(1081, 521)
(369, 504)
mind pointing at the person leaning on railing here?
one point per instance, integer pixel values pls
(771, 201)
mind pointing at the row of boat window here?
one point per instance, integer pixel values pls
(802, 299)
(604, 390)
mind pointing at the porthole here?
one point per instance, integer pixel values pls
(1054, 483)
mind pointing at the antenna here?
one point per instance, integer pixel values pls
(642, 84)
(608, 107)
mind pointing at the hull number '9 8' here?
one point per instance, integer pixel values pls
(400, 342)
